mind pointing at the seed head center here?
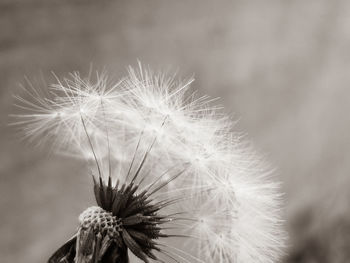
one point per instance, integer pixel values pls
(100, 221)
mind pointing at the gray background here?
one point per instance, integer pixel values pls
(282, 68)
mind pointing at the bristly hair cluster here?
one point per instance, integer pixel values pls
(172, 182)
(123, 220)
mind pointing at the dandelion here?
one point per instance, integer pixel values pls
(172, 181)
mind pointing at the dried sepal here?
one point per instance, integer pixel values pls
(66, 253)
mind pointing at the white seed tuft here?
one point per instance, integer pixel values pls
(230, 205)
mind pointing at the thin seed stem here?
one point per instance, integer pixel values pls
(108, 142)
(90, 143)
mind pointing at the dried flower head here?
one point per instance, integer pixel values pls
(172, 182)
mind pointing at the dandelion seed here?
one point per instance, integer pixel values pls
(172, 182)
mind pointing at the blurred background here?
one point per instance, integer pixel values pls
(281, 67)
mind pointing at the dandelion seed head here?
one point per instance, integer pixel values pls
(148, 133)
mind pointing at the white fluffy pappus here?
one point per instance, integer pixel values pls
(148, 123)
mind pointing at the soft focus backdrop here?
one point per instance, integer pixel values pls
(282, 68)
